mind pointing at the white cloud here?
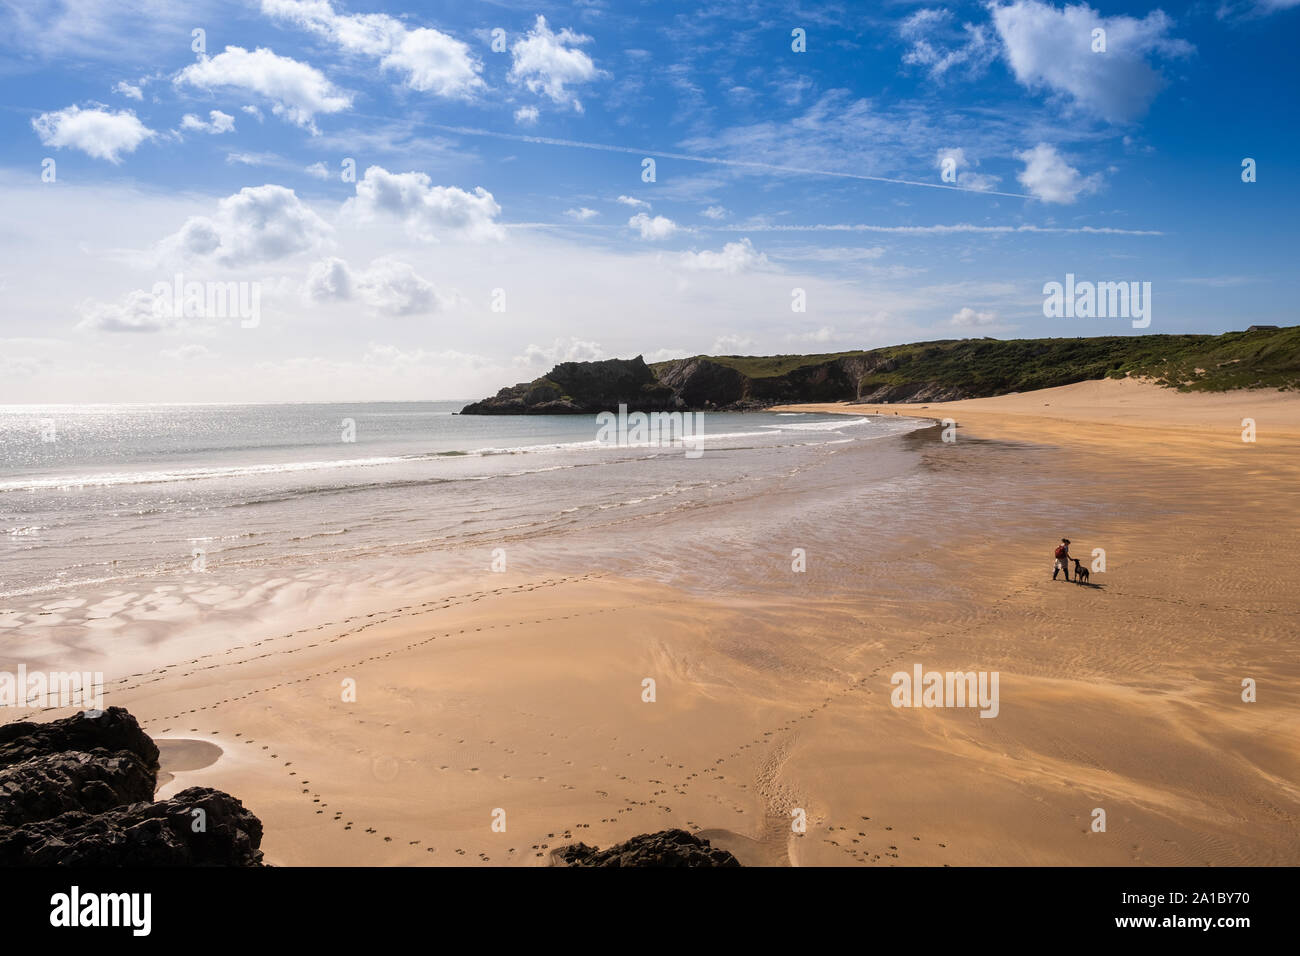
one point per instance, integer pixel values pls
(527, 115)
(104, 34)
(13, 367)
(261, 159)
(217, 122)
(96, 132)
(328, 280)
(969, 317)
(941, 48)
(129, 91)
(657, 227)
(317, 170)
(297, 91)
(980, 181)
(664, 355)
(582, 214)
(374, 34)
(1051, 48)
(394, 288)
(730, 344)
(257, 224)
(1050, 178)
(252, 111)
(956, 154)
(546, 62)
(382, 371)
(960, 165)
(642, 282)
(715, 213)
(435, 63)
(135, 312)
(921, 22)
(734, 257)
(387, 287)
(819, 336)
(431, 61)
(562, 350)
(392, 357)
(833, 254)
(428, 211)
(790, 86)
(634, 203)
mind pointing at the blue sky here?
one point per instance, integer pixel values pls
(498, 220)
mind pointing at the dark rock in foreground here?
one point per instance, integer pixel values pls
(114, 729)
(93, 781)
(80, 791)
(665, 848)
(142, 834)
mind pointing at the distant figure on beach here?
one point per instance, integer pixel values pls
(1062, 556)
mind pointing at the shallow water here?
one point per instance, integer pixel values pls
(94, 494)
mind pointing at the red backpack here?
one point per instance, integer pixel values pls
(1060, 551)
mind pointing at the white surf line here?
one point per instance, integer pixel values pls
(712, 160)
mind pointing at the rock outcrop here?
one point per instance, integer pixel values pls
(665, 848)
(114, 730)
(575, 388)
(80, 791)
(142, 834)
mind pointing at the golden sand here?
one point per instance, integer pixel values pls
(526, 695)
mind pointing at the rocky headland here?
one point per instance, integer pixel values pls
(939, 371)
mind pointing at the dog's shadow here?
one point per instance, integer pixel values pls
(1088, 584)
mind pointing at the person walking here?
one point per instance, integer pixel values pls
(1062, 555)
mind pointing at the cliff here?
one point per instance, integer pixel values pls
(937, 371)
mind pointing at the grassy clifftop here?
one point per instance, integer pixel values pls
(1260, 359)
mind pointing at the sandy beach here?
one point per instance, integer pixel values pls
(388, 715)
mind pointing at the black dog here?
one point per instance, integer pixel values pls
(1080, 572)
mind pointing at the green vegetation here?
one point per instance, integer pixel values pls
(1260, 359)
(766, 366)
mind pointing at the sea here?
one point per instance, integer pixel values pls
(94, 494)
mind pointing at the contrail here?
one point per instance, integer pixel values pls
(923, 230)
(960, 227)
(712, 160)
